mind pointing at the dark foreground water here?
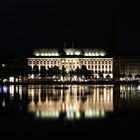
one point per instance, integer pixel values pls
(70, 111)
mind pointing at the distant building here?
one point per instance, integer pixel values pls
(93, 59)
(129, 65)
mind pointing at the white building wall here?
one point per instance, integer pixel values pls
(104, 65)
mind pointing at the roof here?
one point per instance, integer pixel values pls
(69, 52)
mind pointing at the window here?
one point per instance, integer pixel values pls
(30, 62)
(102, 66)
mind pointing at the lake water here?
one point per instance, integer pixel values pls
(102, 111)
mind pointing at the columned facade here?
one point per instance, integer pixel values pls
(73, 59)
(104, 65)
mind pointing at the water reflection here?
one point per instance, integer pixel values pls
(129, 91)
(76, 102)
(5, 89)
(70, 102)
(129, 98)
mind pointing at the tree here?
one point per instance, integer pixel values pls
(63, 72)
(107, 76)
(50, 72)
(56, 72)
(71, 74)
(78, 73)
(100, 74)
(42, 72)
(85, 72)
(29, 71)
(35, 70)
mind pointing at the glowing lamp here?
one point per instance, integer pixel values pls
(36, 54)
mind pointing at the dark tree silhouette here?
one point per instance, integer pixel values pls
(43, 72)
(36, 71)
(63, 72)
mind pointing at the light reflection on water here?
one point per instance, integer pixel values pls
(77, 101)
(129, 91)
(73, 103)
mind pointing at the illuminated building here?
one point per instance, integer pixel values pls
(94, 60)
(129, 65)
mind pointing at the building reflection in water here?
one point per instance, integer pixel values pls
(76, 102)
(130, 91)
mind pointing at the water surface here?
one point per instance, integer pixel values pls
(106, 110)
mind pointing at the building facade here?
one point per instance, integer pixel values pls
(129, 65)
(72, 59)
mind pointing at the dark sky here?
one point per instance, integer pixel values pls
(26, 24)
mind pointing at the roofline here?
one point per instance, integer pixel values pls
(69, 57)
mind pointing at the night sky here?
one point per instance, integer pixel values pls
(110, 24)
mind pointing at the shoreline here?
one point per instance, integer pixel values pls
(68, 82)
